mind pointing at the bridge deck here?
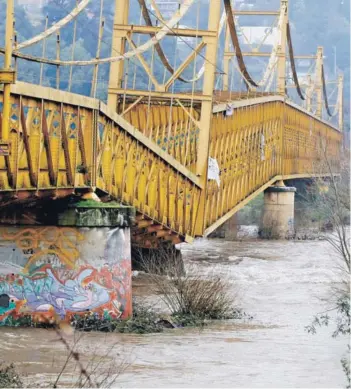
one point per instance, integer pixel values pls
(63, 143)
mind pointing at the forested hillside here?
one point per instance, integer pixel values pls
(313, 23)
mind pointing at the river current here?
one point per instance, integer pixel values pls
(282, 284)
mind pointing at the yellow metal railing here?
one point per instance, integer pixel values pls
(61, 143)
(259, 143)
(172, 128)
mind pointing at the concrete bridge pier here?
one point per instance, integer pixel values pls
(277, 221)
(79, 262)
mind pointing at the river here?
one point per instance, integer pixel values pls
(282, 284)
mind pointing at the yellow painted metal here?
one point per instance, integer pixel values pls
(341, 102)
(318, 81)
(7, 76)
(108, 157)
(7, 66)
(151, 163)
(124, 29)
(154, 154)
(281, 65)
(118, 47)
(260, 142)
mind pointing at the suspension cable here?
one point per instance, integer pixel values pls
(325, 93)
(57, 26)
(235, 41)
(273, 57)
(160, 52)
(292, 64)
(145, 46)
(202, 70)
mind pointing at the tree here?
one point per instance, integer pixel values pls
(335, 204)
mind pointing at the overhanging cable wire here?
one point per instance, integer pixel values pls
(236, 45)
(177, 16)
(292, 64)
(57, 26)
(325, 93)
(159, 50)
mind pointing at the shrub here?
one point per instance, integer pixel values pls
(9, 377)
(189, 294)
(143, 321)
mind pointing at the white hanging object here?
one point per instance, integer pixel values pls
(229, 110)
(213, 170)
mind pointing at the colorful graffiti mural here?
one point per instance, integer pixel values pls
(45, 277)
(42, 241)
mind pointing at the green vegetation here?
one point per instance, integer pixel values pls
(143, 321)
(335, 205)
(9, 377)
(190, 296)
(146, 320)
(98, 204)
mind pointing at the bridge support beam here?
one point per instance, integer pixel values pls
(118, 47)
(80, 265)
(278, 213)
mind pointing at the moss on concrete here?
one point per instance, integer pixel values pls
(96, 204)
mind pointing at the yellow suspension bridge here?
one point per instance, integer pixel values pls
(187, 153)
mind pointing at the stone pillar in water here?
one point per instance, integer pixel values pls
(80, 265)
(278, 214)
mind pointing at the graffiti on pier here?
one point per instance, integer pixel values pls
(47, 241)
(43, 274)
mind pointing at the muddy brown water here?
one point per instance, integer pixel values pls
(281, 284)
